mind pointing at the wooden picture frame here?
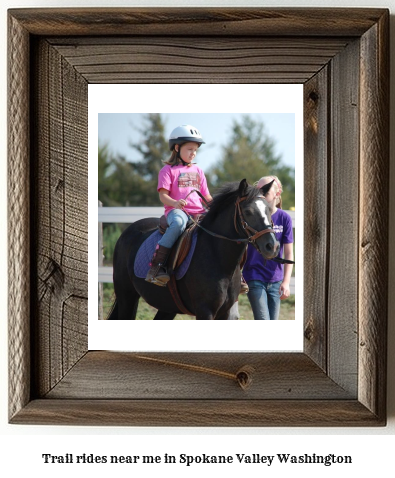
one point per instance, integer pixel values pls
(342, 58)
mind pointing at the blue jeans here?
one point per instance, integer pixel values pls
(177, 221)
(264, 298)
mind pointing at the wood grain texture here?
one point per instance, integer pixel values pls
(202, 413)
(374, 220)
(18, 218)
(344, 215)
(316, 213)
(60, 197)
(341, 55)
(185, 376)
(262, 22)
(203, 60)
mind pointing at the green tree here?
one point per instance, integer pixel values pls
(153, 148)
(125, 182)
(104, 168)
(118, 183)
(250, 153)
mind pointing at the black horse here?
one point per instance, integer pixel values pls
(238, 214)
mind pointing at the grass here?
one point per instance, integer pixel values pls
(146, 312)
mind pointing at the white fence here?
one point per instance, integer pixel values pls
(120, 215)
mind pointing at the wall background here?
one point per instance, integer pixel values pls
(24, 446)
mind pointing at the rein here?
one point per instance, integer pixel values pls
(252, 234)
(250, 238)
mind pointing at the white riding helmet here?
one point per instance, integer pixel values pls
(184, 134)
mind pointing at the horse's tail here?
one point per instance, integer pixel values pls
(113, 313)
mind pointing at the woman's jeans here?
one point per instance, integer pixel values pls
(264, 298)
(177, 221)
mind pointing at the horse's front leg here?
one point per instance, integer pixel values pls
(207, 306)
(234, 312)
(206, 311)
(160, 315)
(205, 315)
(221, 314)
(230, 314)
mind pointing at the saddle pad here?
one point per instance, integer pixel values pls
(146, 251)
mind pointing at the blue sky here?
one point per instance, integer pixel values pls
(119, 129)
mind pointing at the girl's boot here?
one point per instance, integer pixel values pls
(158, 274)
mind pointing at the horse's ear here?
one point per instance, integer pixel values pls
(243, 186)
(266, 188)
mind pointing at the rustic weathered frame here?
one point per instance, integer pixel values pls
(342, 58)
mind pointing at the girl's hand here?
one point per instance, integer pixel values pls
(284, 291)
(180, 204)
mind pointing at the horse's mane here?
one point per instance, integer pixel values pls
(227, 195)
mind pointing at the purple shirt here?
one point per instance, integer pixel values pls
(180, 181)
(256, 268)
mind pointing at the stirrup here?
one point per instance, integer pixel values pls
(153, 278)
(155, 281)
(161, 280)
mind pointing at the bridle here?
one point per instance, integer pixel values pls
(255, 234)
(251, 233)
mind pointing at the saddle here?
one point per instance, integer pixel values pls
(183, 244)
(177, 255)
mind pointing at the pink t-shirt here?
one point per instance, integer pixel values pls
(180, 181)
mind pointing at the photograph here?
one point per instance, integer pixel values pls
(197, 211)
(129, 179)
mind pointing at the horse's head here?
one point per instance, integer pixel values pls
(256, 219)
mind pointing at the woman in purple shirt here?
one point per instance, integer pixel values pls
(268, 281)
